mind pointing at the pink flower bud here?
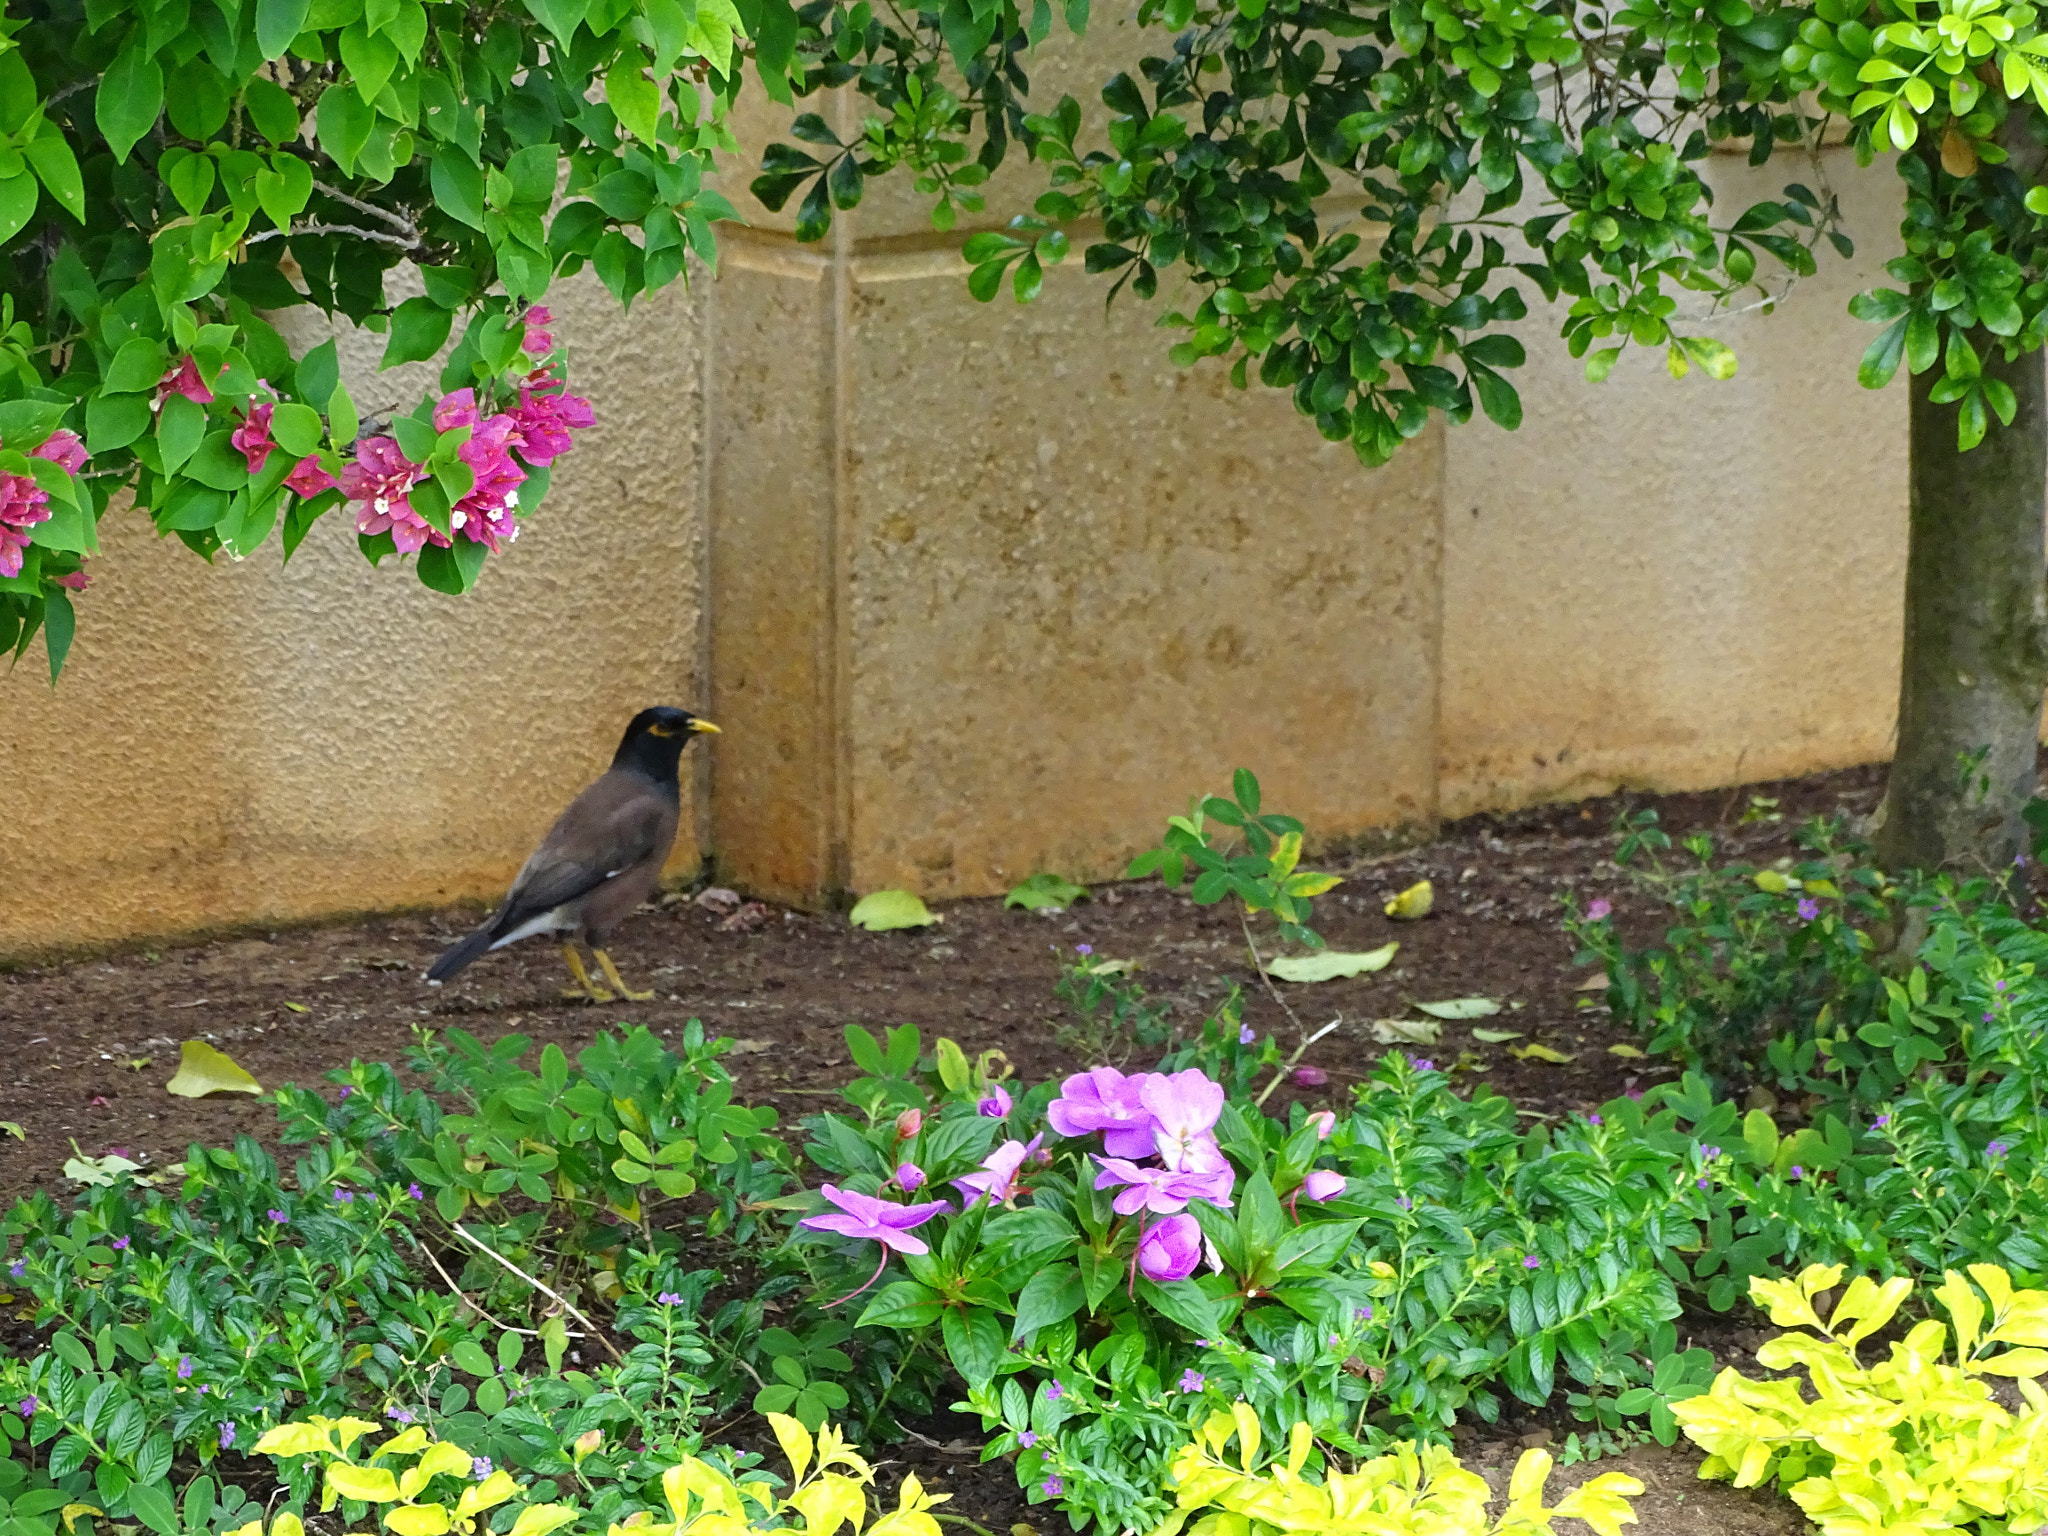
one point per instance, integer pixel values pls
(1171, 1249)
(1325, 1122)
(909, 1123)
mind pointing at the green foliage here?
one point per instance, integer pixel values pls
(177, 1316)
(1262, 877)
(1109, 1013)
(173, 175)
(1913, 1442)
(1759, 960)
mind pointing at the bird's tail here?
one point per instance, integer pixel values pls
(458, 958)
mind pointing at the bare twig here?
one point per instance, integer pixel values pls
(71, 90)
(555, 1296)
(470, 1301)
(1289, 1064)
(335, 229)
(398, 222)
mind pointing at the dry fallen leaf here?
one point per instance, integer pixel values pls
(751, 1047)
(1496, 1036)
(1406, 1031)
(1330, 964)
(203, 1070)
(1627, 1051)
(1597, 982)
(1412, 903)
(1461, 1008)
(1535, 1051)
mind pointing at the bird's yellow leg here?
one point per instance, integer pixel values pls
(611, 974)
(584, 987)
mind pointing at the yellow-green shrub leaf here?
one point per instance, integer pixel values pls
(880, 911)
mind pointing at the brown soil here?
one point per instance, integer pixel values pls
(87, 1045)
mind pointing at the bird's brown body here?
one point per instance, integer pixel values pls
(600, 860)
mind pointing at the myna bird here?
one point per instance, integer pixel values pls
(600, 860)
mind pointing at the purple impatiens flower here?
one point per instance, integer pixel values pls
(1599, 909)
(996, 1179)
(909, 1177)
(1323, 1184)
(995, 1104)
(1104, 1100)
(1170, 1249)
(883, 1221)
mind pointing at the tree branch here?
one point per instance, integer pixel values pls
(403, 225)
(401, 242)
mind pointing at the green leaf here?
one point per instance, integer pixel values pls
(1497, 397)
(454, 570)
(60, 623)
(880, 911)
(1461, 1008)
(1044, 890)
(154, 1508)
(18, 196)
(130, 98)
(635, 100)
(271, 109)
(115, 421)
(1049, 1296)
(1185, 1303)
(419, 329)
(283, 188)
(203, 1070)
(1714, 359)
(180, 425)
(296, 428)
(1881, 357)
(58, 167)
(277, 23)
(1329, 964)
(458, 186)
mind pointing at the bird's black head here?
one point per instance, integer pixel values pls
(654, 742)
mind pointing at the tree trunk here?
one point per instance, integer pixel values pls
(1976, 648)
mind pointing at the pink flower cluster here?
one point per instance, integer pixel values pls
(23, 503)
(1154, 1114)
(378, 482)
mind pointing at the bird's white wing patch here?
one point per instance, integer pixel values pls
(559, 920)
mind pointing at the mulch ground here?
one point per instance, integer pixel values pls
(86, 1045)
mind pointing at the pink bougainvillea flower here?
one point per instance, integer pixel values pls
(546, 418)
(488, 513)
(1323, 1184)
(253, 436)
(1107, 1101)
(308, 478)
(77, 581)
(1184, 1107)
(182, 378)
(996, 1180)
(64, 447)
(540, 341)
(1170, 1249)
(377, 482)
(881, 1220)
(457, 409)
(23, 503)
(13, 543)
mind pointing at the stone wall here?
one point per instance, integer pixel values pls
(981, 589)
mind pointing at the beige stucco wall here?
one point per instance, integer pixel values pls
(979, 589)
(257, 741)
(1676, 584)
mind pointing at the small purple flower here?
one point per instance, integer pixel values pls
(909, 1178)
(345, 1196)
(1703, 1184)
(2019, 861)
(120, 1244)
(278, 1216)
(480, 1468)
(1054, 1487)
(1999, 985)
(346, 1091)
(1404, 1202)
(1246, 1034)
(1798, 1172)
(1880, 1122)
(1054, 1391)
(1191, 1380)
(1593, 1120)
(1998, 1149)
(18, 1268)
(995, 1104)
(1530, 1261)
(399, 1415)
(1084, 949)
(1809, 909)
(202, 1389)
(413, 1191)
(1028, 1438)
(1310, 1077)
(227, 1435)
(1989, 1016)
(1422, 1063)
(882, 1221)
(1362, 1314)
(668, 1299)
(1599, 910)
(184, 1368)
(1710, 1153)
(28, 1406)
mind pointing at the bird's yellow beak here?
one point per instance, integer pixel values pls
(705, 725)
